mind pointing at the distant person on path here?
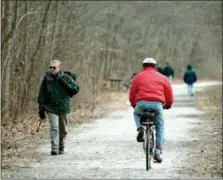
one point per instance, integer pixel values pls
(190, 77)
(159, 69)
(152, 90)
(168, 72)
(56, 90)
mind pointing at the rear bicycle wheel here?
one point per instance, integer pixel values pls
(148, 145)
(152, 147)
(144, 140)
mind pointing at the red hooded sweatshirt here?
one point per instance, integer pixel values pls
(150, 85)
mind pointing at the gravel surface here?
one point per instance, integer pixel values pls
(107, 147)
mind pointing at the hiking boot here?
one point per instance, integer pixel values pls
(61, 150)
(157, 158)
(139, 137)
(53, 153)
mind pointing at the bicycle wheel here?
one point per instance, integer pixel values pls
(152, 147)
(148, 145)
(144, 142)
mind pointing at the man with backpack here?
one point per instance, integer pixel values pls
(54, 96)
(168, 72)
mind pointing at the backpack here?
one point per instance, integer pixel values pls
(76, 88)
(72, 75)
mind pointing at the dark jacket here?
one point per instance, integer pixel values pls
(190, 76)
(160, 70)
(55, 93)
(168, 71)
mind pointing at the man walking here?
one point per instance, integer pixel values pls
(168, 72)
(190, 77)
(54, 97)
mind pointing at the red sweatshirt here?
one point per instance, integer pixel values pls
(150, 85)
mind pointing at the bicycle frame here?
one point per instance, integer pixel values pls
(149, 138)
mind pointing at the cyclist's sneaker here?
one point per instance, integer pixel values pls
(139, 137)
(158, 151)
(53, 153)
(157, 158)
(61, 150)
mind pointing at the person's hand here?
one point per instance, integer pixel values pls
(63, 83)
(167, 106)
(42, 112)
(71, 89)
(134, 106)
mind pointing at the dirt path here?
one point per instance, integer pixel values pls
(107, 147)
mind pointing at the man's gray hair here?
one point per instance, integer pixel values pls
(56, 62)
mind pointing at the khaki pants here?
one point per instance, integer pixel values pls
(58, 130)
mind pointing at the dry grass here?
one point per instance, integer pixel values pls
(210, 101)
(210, 162)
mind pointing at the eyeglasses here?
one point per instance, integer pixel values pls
(52, 67)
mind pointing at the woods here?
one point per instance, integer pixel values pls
(98, 40)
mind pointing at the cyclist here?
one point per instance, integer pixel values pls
(150, 89)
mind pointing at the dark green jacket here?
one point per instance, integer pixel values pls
(168, 71)
(55, 93)
(190, 76)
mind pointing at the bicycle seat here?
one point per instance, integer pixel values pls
(149, 112)
(148, 117)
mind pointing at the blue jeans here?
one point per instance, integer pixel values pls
(159, 123)
(190, 89)
(170, 78)
(58, 130)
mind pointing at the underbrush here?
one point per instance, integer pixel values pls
(210, 101)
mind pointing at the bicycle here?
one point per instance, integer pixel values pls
(147, 120)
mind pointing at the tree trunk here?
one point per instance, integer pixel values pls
(54, 29)
(33, 58)
(13, 25)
